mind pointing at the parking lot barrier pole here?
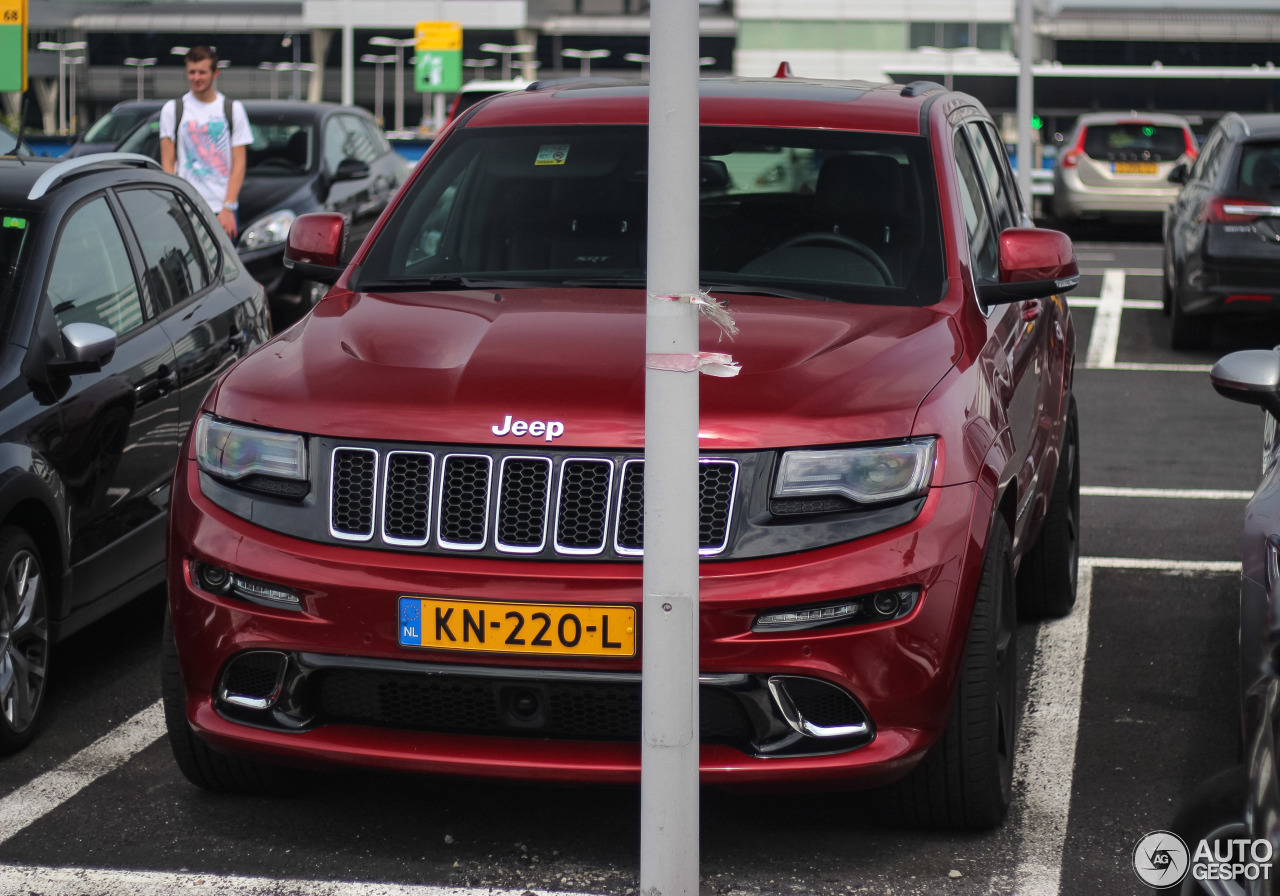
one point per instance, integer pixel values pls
(1026, 48)
(669, 803)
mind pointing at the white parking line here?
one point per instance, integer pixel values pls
(1127, 304)
(1194, 494)
(1046, 754)
(1106, 323)
(42, 795)
(55, 881)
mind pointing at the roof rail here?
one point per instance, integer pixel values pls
(920, 88)
(70, 167)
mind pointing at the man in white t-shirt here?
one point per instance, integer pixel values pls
(206, 149)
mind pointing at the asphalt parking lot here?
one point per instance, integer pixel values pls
(1129, 702)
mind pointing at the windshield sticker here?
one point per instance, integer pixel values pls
(552, 154)
(15, 223)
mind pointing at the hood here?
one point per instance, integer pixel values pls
(262, 195)
(464, 367)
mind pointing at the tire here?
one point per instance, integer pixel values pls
(1049, 571)
(1215, 812)
(24, 639)
(965, 782)
(199, 763)
(1166, 290)
(1185, 331)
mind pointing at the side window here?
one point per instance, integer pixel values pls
(992, 172)
(977, 218)
(377, 139)
(91, 279)
(177, 265)
(1207, 162)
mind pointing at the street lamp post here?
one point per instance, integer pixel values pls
(479, 65)
(271, 67)
(138, 65)
(399, 44)
(62, 49)
(292, 40)
(507, 51)
(72, 62)
(297, 68)
(378, 61)
(584, 58)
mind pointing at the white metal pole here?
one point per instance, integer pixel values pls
(669, 800)
(399, 87)
(1026, 44)
(62, 91)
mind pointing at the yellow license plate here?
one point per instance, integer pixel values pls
(1135, 168)
(501, 627)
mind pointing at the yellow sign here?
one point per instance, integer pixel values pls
(13, 12)
(435, 35)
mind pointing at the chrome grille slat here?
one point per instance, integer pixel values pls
(510, 503)
(463, 520)
(353, 478)
(524, 504)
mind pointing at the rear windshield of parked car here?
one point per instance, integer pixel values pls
(1260, 168)
(15, 236)
(1136, 140)
(803, 213)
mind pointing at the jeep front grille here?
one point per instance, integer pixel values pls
(555, 506)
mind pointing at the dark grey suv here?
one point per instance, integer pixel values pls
(121, 300)
(1222, 233)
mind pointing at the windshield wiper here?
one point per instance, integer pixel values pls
(742, 289)
(442, 281)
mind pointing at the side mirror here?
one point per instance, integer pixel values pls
(316, 246)
(85, 349)
(1034, 263)
(1179, 174)
(1251, 376)
(351, 169)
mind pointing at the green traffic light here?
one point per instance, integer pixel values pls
(1037, 122)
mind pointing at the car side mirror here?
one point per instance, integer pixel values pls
(316, 246)
(1251, 376)
(1034, 263)
(85, 349)
(1179, 173)
(351, 169)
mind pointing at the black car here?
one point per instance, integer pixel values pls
(105, 134)
(1240, 806)
(305, 157)
(1222, 233)
(121, 301)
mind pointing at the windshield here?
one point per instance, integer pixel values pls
(1135, 140)
(803, 213)
(283, 145)
(1260, 169)
(14, 236)
(115, 125)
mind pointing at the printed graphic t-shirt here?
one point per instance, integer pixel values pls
(204, 146)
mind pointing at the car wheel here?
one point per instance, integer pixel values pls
(1214, 813)
(199, 763)
(1167, 274)
(24, 638)
(1047, 577)
(1187, 332)
(965, 782)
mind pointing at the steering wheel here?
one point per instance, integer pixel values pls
(840, 241)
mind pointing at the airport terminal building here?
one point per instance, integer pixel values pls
(1196, 58)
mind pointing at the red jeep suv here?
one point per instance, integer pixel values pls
(408, 532)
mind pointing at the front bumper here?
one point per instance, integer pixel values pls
(333, 686)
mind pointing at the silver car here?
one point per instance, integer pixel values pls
(1118, 163)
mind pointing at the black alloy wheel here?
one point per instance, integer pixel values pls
(24, 638)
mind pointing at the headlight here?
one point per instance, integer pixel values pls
(270, 230)
(234, 452)
(872, 474)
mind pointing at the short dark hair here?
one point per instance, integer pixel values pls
(200, 53)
